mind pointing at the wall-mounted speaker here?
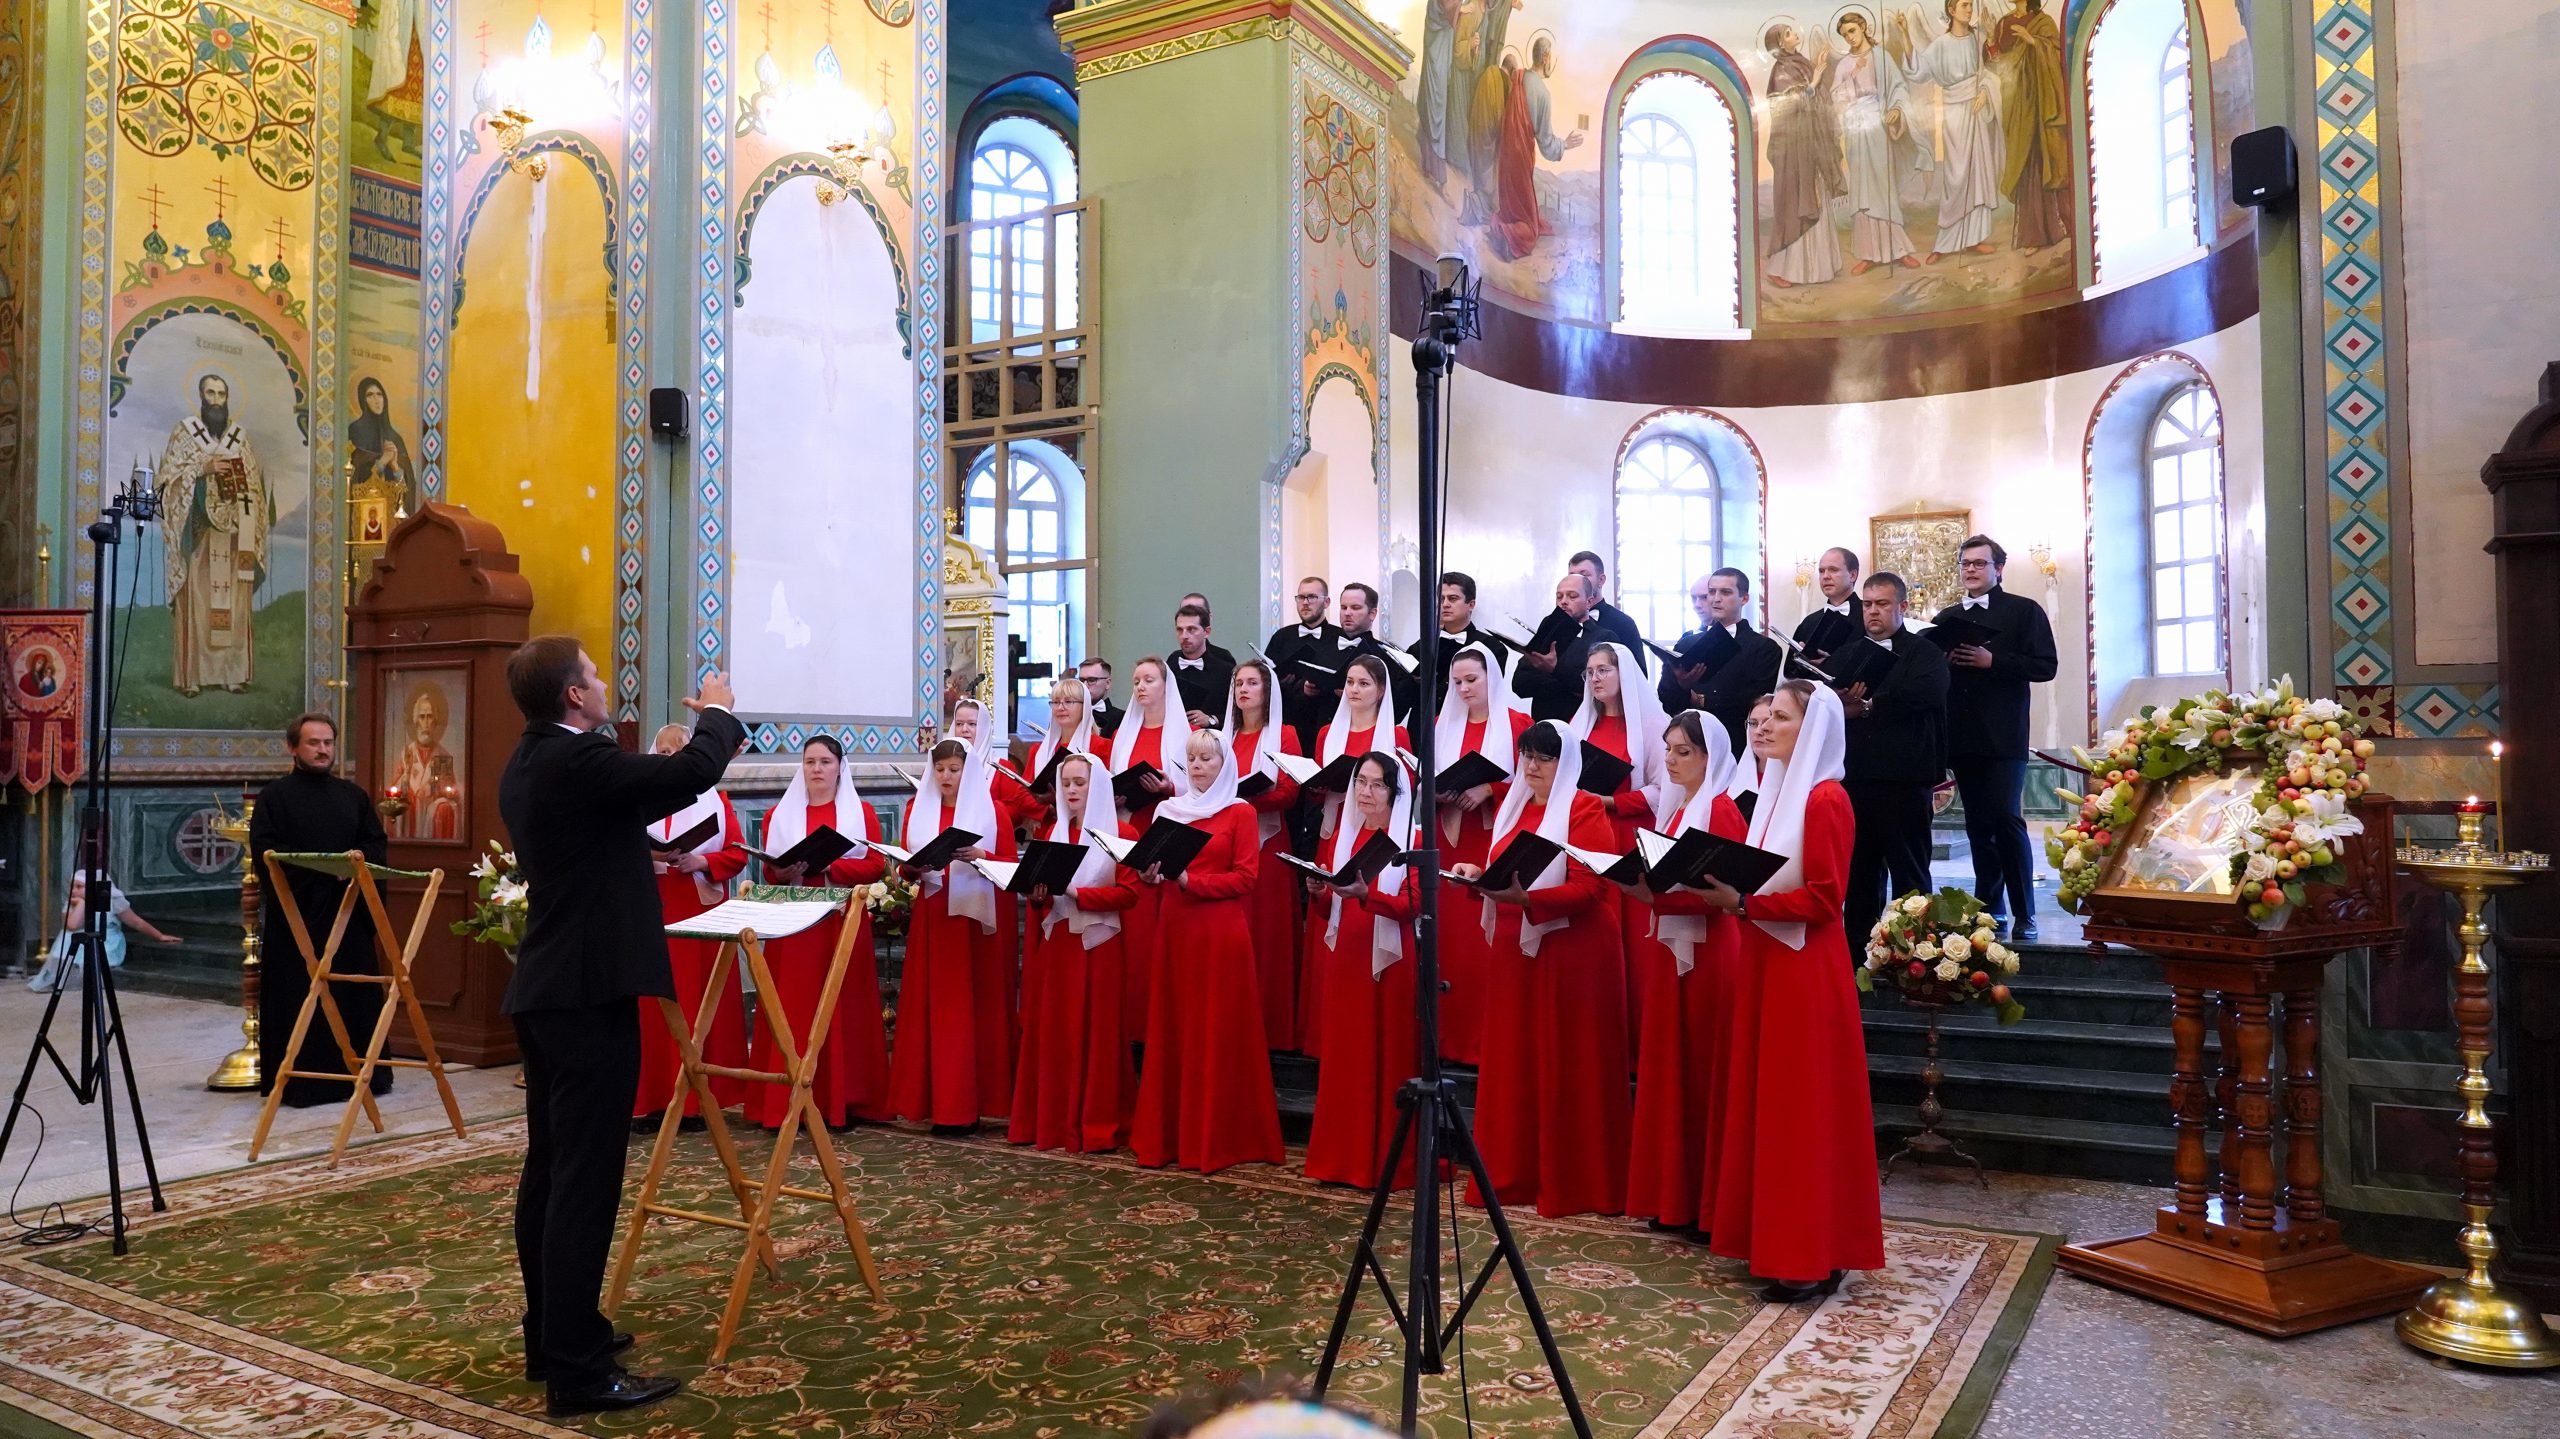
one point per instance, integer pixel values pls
(670, 413)
(2262, 169)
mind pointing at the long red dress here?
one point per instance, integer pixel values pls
(692, 959)
(1630, 811)
(1465, 953)
(1793, 1174)
(1138, 927)
(1551, 1091)
(953, 1061)
(1073, 1086)
(1368, 1040)
(853, 1062)
(1677, 1077)
(1205, 1099)
(1310, 981)
(1275, 894)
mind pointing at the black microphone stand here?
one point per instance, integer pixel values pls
(101, 1019)
(1430, 1118)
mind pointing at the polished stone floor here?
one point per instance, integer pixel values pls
(2096, 1363)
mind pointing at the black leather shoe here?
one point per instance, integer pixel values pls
(537, 1369)
(1781, 1292)
(648, 1123)
(618, 1390)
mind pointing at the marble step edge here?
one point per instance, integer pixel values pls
(2037, 1129)
(2122, 1083)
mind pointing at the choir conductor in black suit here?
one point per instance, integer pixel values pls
(1896, 705)
(1988, 694)
(594, 946)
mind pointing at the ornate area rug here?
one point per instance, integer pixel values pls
(1030, 1295)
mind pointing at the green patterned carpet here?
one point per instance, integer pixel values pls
(1029, 1295)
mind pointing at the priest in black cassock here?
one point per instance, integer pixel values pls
(1837, 622)
(310, 810)
(1724, 664)
(1458, 629)
(1300, 654)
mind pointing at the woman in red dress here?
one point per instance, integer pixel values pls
(953, 1062)
(853, 1055)
(1070, 732)
(1256, 728)
(1073, 1086)
(1475, 718)
(1360, 723)
(1683, 1035)
(1361, 937)
(1551, 1090)
(1620, 714)
(688, 884)
(1153, 731)
(1205, 1099)
(1791, 1184)
(1016, 805)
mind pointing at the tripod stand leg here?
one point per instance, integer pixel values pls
(1364, 1255)
(1510, 1248)
(42, 1045)
(93, 1059)
(132, 1091)
(1422, 1271)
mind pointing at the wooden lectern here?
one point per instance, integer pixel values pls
(2237, 1246)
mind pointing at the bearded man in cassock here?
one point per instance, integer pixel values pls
(310, 810)
(217, 507)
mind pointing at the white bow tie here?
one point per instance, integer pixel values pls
(1977, 602)
(1310, 632)
(1841, 608)
(1189, 664)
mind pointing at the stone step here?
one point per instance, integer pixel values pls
(2133, 1003)
(2039, 1144)
(2108, 1096)
(2053, 1043)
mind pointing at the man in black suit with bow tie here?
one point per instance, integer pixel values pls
(1308, 694)
(1095, 675)
(1988, 694)
(594, 945)
(1458, 629)
(1837, 621)
(1723, 665)
(1201, 670)
(1897, 752)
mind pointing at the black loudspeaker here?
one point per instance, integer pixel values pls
(670, 414)
(2262, 173)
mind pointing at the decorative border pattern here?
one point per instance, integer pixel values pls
(631, 499)
(712, 296)
(437, 257)
(1257, 28)
(794, 167)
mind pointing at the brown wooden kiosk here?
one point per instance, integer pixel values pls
(2235, 1245)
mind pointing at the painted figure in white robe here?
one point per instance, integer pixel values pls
(1868, 93)
(215, 509)
(1969, 138)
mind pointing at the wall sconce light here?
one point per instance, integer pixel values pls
(2042, 554)
(1804, 573)
(844, 171)
(507, 126)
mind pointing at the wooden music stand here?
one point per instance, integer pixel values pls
(395, 980)
(799, 1072)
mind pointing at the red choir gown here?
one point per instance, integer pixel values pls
(1074, 1087)
(1791, 1183)
(1310, 980)
(692, 959)
(1138, 927)
(1464, 951)
(1368, 1041)
(853, 1059)
(1205, 1099)
(1677, 1076)
(953, 1062)
(1630, 811)
(1551, 1090)
(1275, 896)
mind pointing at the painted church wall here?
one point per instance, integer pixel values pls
(21, 294)
(2481, 319)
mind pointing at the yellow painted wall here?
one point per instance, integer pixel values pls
(541, 467)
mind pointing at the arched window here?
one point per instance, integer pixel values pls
(1670, 530)
(2177, 136)
(1678, 242)
(1021, 167)
(2185, 563)
(1042, 554)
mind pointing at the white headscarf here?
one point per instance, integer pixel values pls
(1274, 725)
(1337, 735)
(1676, 813)
(705, 805)
(1777, 820)
(1191, 806)
(973, 808)
(1097, 868)
(1449, 727)
(1386, 937)
(1643, 709)
(1177, 731)
(787, 823)
(1081, 740)
(1556, 825)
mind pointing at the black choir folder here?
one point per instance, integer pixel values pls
(1361, 868)
(817, 849)
(1603, 773)
(1335, 776)
(1129, 784)
(1471, 770)
(1665, 864)
(1863, 662)
(692, 839)
(1169, 846)
(1520, 863)
(1045, 863)
(1946, 634)
(935, 853)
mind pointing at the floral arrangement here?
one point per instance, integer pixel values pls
(2313, 752)
(1941, 949)
(888, 902)
(497, 903)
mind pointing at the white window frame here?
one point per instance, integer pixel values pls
(2192, 449)
(1660, 556)
(2178, 134)
(1030, 568)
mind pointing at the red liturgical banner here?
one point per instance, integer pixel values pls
(42, 695)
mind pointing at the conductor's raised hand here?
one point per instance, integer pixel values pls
(715, 693)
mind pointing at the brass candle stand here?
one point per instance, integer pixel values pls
(239, 1069)
(1928, 1144)
(2471, 1318)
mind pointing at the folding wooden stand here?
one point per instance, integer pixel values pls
(755, 1202)
(395, 981)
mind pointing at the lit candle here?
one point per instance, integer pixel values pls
(2498, 785)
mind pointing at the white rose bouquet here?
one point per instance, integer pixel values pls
(1941, 949)
(497, 901)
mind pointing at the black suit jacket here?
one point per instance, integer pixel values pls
(1106, 719)
(1204, 689)
(1826, 630)
(1308, 713)
(1987, 709)
(1401, 685)
(1741, 667)
(1903, 735)
(577, 808)
(1557, 693)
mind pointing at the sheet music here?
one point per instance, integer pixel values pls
(770, 919)
(1112, 844)
(1653, 846)
(1296, 766)
(999, 871)
(1597, 861)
